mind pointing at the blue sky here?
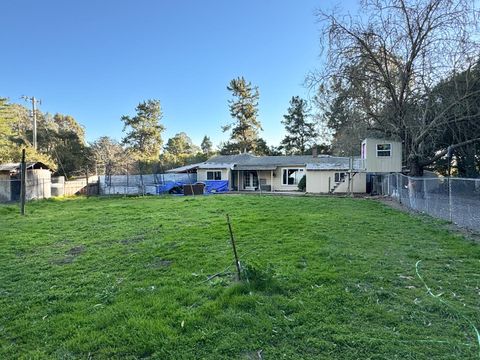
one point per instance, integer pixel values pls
(96, 60)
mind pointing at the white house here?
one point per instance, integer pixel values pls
(324, 173)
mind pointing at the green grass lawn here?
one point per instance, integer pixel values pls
(329, 278)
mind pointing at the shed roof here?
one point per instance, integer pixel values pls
(16, 166)
(185, 169)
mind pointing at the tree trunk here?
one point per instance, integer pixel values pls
(416, 169)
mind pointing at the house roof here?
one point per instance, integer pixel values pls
(184, 169)
(335, 163)
(252, 162)
(16, 166)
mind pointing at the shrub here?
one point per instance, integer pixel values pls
(302, 184)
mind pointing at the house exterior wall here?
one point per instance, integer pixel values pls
(5, 187)
(381, 164)
(277, 179)
(39, 183)
(226, 175)
(262, 175)
(317, 182)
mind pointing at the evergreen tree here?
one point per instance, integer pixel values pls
(181, 144)
(206, 145)
(67, 143)
(144, 130)
(244, 110)
(301, 133)
(259, 147)
(180, 150)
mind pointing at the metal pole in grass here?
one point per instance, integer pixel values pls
(23, 188)
(232, 238)
(449, 157)
(86, 181)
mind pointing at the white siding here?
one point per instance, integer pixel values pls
(374, 163)
(277, 180)
(5, 189)
(317, 182)
(226, 175)
(262, 174)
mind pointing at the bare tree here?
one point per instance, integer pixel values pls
(388, 61)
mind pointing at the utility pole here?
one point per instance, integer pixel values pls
(34, 102)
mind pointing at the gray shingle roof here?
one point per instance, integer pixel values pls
(252, 162)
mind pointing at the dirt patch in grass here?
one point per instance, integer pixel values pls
(133, 239)
(76, 250)
(70, 255)
(63, 261)
(160, 263)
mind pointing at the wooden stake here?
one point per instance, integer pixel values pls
(232, 238)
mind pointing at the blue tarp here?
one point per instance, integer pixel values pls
(166, 187)
(211, 186)
(216, 186)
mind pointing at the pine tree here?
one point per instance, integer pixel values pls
(144, 137)
(206, 145)
(244, 110)
(301, 133)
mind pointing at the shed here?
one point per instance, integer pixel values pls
(38, 181)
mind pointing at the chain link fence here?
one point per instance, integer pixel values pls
(141, 184)
(125, 178)
(453, 199)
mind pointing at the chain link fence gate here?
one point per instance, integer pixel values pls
(452, 199)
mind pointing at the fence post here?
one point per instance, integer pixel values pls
(86, 178)
(126, 189)
(399, 189)
(23, 188)
(425, 196)
(450, 199)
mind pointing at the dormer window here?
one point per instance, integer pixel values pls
(384, 150)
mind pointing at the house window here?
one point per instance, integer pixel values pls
(384, 150)
(340, 177)
(214, 175)
(292, 176)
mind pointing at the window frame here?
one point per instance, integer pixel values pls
(340, 177)
(285, 171)
(213, 174)
(389, 151)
